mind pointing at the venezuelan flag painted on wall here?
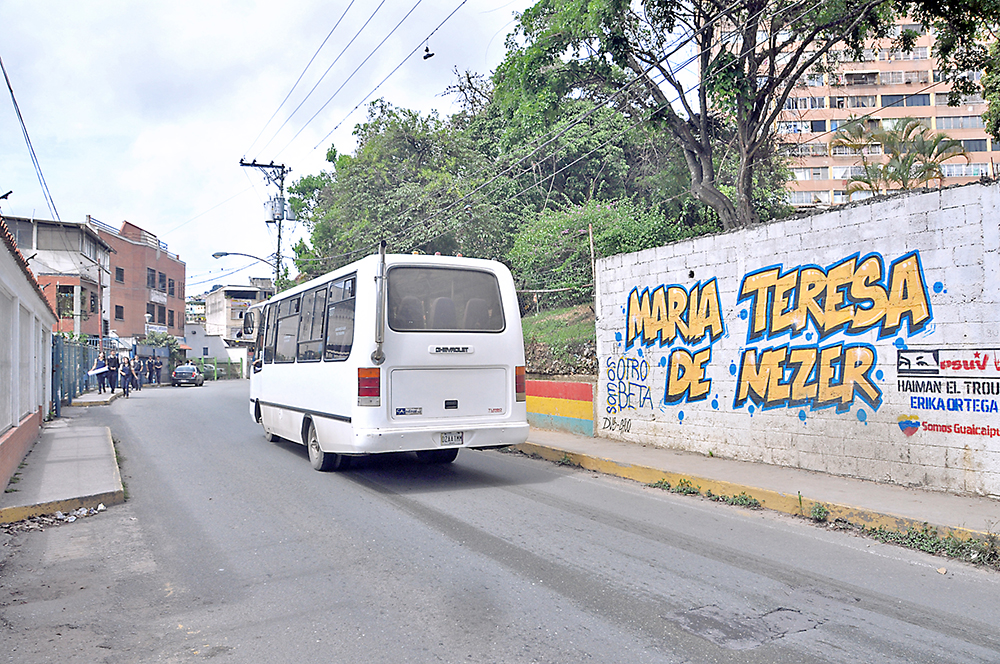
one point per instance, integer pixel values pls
(561, 405)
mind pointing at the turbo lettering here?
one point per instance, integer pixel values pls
(851, 296)
(819, 377)
(669, 312)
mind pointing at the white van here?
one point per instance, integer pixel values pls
(392, 353)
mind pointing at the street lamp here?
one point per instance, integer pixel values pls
(220, 254)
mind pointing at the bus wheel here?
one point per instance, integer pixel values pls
(320, 460)
(438, 456)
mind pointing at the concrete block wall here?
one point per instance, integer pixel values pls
(863, 341)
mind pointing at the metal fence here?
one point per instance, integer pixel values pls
(71, 361)
(219, 368)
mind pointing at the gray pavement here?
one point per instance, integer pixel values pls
(73, 465)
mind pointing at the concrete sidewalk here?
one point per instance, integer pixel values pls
(71, 466)
(788, 490)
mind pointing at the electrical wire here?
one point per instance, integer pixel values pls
(401, 63)
(299, 79)
(31, 150)
(356, 69)
(316, 85)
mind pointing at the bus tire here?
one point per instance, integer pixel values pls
(320, 460)
(438, 456)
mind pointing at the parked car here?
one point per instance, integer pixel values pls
(187, 374)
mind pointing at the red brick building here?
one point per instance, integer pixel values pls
(145, 278)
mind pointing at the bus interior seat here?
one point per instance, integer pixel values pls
(477, 314)
(410, 314)
(443, 316)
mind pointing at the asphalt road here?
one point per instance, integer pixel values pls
(233, 548)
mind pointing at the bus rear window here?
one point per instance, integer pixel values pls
(437, 299)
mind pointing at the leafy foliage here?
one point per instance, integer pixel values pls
(552, 250)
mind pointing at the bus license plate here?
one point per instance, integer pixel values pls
(451, 438)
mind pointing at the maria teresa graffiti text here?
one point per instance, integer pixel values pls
(849, 296)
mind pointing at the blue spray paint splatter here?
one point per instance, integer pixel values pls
(640, 352)
(880, 375)
(809, 336)
(663, 361)
(618, 336)
(899, 343)
(938, 287)
(744, 314)
(802, 415)
(863, 417)
(751, 409)
(732, 368)
(680, 416)
(715, 403)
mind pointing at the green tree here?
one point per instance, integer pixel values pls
(164, 340)
(749, 57)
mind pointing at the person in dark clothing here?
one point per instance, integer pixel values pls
(150, 371)
(157, 367)
(139, 372)
(113, 372)
(102, 377)
(127, 375)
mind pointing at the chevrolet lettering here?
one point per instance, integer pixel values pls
(450, 350)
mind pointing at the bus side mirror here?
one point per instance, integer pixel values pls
(248, 323)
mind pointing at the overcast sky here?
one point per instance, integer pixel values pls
(142, 111)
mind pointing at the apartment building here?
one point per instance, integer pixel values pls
(146, 280)
(225, 306)
(888, 84)
(70, 262)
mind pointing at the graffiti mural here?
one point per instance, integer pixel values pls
(805, 304)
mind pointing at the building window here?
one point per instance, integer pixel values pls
(119, 312)
(809, 197)
(204, 351)
(151, 310)
(93, 303)
(815, 173)
(960, 122)
(860, 78)
(964, 170)
(161, 315)
(817, 102)
(892, 100)
(170, 287)
(170, 318)
(974, 145)
(120, 275)
(817, 126)
(918, 100)
(163, 283)
(796, 103)
(150, 278)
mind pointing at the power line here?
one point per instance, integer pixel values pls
(299, 79)
(309, 94)
(401, 63)
(356, 69)
(31, 149)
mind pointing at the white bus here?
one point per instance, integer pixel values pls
(392, 353)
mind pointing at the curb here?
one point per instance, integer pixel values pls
(102, 402)
(793, 504)
(113, 497)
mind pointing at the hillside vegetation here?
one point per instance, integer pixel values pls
(561, 342)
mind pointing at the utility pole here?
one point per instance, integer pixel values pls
(275, 174)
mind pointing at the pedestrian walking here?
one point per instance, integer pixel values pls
(101, 369)
(157, 368)
(150, 371)
(126, 375)
(138, 369)
(113, 372)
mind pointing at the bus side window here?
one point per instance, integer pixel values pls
(311, 326)
(340, 321)
(267, 332)
(287, 331)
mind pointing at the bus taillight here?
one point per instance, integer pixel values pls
(369, 386)
(520, 384)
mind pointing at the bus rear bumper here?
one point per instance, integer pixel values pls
(375, 441)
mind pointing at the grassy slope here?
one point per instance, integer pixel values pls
(561, 342)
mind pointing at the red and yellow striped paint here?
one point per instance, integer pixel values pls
(561, 405)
